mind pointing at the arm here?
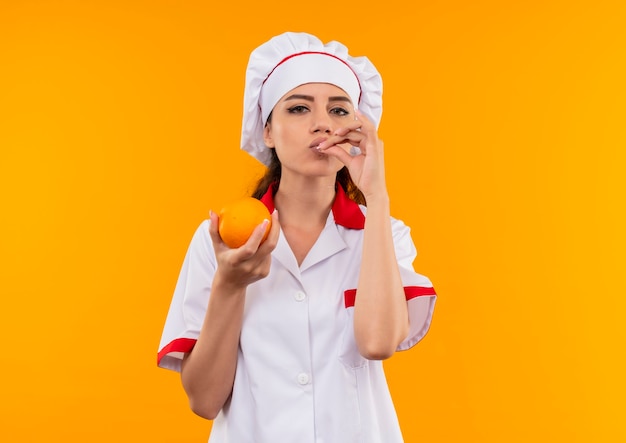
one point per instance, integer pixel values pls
(381, 318)
(208, 371)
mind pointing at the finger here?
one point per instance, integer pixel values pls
(255, 239)
(214, 229)
(353, 137)
(364, 120)
(352, 126)
(367, 126)
(339, 153)
(272, 239)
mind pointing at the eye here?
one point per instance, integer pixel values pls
(339, 111)
(298, 109)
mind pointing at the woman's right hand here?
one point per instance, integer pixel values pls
(251, 262)
(208, 371)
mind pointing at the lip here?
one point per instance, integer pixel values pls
(317, 142)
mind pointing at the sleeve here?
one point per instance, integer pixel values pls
(418, 289)
(189, 302)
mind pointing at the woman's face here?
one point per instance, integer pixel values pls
(301, 120)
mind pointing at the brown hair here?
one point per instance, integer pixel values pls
(272, 175)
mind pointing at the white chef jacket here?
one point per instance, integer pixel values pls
(299, 376)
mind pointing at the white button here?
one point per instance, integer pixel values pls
(299, 296)
(303, 378)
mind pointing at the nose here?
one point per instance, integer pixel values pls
(321, 122)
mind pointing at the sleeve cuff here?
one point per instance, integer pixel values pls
(171, 355)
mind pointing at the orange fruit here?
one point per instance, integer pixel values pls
(238, 219)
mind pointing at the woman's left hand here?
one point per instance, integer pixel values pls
(366, 168)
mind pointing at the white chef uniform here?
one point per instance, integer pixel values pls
(300, 377)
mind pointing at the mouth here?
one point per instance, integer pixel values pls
(317, 142)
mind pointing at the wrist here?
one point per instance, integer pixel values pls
(380, 198)
(222, 284)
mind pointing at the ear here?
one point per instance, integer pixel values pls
(267, 136)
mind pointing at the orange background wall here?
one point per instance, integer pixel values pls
(504, 133)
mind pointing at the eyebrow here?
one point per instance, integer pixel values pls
(310, 98)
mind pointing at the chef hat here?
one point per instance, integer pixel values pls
(292, 59)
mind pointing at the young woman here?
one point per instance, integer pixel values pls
(283, 340)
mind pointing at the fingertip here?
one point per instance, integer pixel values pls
(364, 119)
(214, 224)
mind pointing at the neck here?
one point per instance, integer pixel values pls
(304, 201)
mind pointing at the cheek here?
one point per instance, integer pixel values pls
(285, 134)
